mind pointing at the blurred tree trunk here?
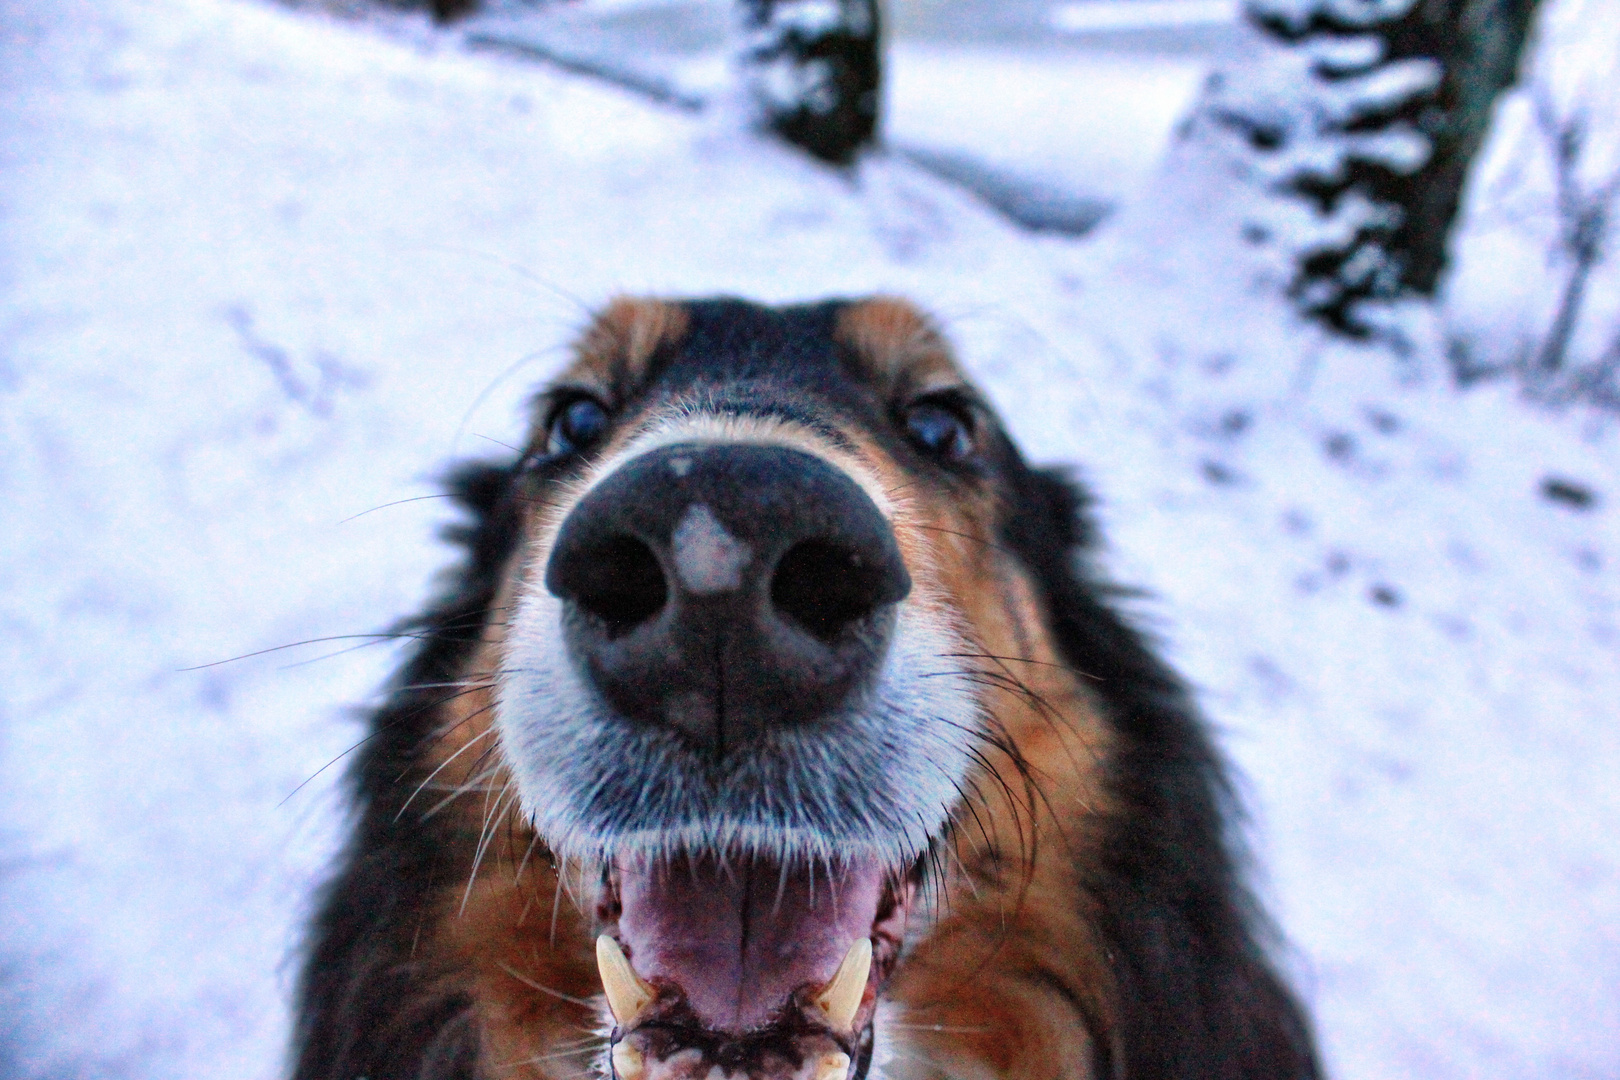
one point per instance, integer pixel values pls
(813, 69)
(1370, 108)
(1478, 44)
(449, 10)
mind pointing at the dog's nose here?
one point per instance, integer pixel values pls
(727, 590)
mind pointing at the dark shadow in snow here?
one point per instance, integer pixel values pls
(1569, 493)
(1031, 203)
(648, 86)
(1384, 596)
(314, 384)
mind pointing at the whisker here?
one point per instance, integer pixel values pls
(398, 502)
(485, 836)
(543, 988)
(494, 384)
(556, 1056)
(1022, 660)
(327, 656)
(295, 644)
(385, 728)
(556, 905)
(991, 544)
(440, 768)
(472, 621)
(497, 442)
(445, 732)
(478, 680)
(518, 877)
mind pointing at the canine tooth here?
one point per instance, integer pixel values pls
(627, 994)
(832, 1067)
(628, 1064)
(840, 999)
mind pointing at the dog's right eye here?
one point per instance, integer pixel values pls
(576, 425)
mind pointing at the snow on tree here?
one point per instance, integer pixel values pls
(812, 69)
(1363, 116)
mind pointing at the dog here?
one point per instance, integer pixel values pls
(776, 726)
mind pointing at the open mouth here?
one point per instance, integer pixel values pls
(758, 967)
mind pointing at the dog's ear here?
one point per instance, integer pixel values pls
(489, 494)
(1198, 994)
(486, 491)
(1062, 504)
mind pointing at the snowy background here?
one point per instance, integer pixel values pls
(264, 273)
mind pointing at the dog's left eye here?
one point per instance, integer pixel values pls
(940, 428)
(576, 425)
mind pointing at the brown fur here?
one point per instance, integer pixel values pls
(614, 351)
(899, 345)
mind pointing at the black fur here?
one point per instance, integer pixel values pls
(1197, 994)
(363, 962)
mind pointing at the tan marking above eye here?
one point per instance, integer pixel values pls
(900, 345)
(615, 348)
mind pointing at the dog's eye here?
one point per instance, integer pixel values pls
(940, 428)
(576, 425)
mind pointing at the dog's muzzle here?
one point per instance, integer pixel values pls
(723, 590)
(725, 593)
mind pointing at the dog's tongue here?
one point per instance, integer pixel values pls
(740, 938)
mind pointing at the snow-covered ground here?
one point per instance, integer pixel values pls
(263, 272)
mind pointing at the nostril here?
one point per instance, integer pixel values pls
(619, 582)
(824, 586)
